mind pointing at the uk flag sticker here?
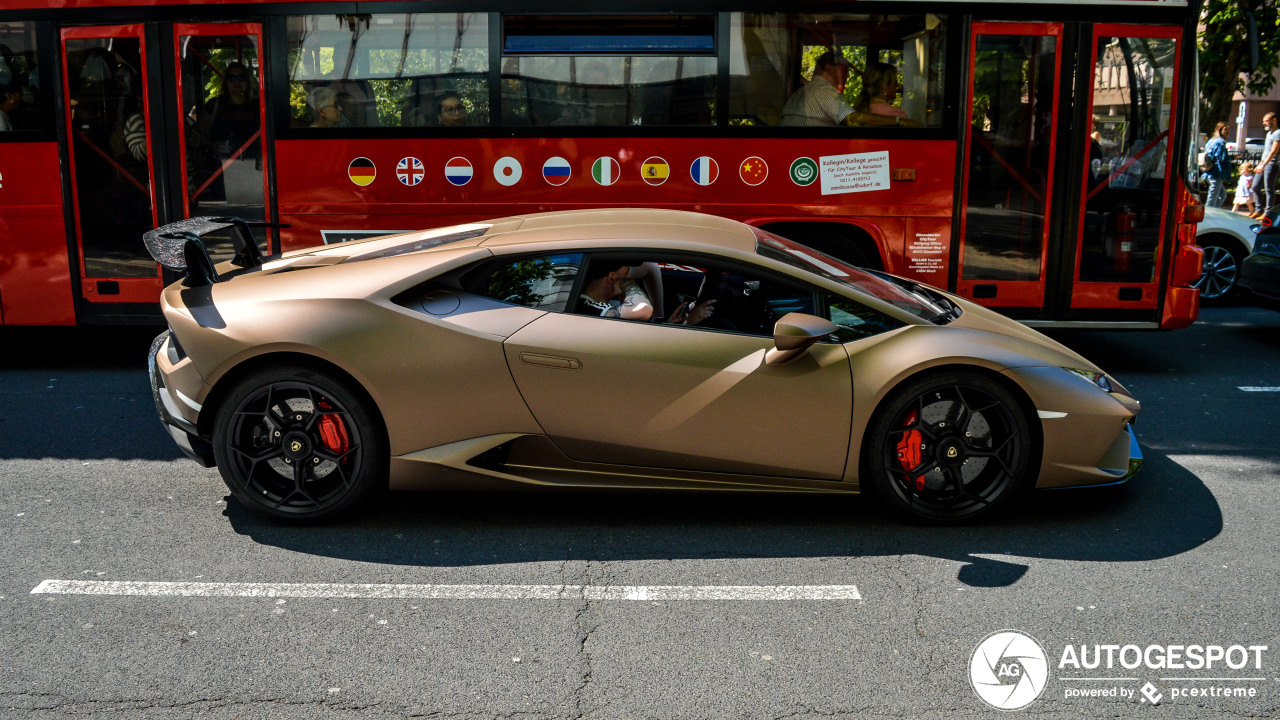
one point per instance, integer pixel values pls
(458, 171)
(409, 170)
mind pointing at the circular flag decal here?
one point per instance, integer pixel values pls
(507, 171)
(704, 170)
(458, 171)
(556, 171)
(409, 171)
(753, 170)
(362, 171)
(605, 171)
(655, 171)
(804, 171)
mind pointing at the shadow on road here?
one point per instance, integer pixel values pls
(1165, 511)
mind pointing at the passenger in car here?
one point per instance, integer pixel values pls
(604, 293)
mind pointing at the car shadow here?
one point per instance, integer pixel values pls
(1165, 511)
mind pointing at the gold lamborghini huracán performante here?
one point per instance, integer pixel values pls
(645, 349)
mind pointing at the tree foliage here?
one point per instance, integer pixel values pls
(1224, 55)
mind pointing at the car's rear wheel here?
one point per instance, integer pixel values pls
(949, 447)
(298, 445)
(1220, 272)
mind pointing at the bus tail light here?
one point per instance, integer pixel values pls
(1188, 260)
(1193, 213)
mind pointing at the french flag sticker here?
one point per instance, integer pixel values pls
(458, 171)
(556, 171)
(704, 170)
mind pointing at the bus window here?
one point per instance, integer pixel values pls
(890, 66)
(21, 101)
(222, 118)
(403, 70)
(614, 71)
(1124, 206)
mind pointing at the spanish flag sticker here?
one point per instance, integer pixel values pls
(361, 171)
(655, 171)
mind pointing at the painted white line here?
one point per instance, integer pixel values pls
(450, 592)
(1228, 679)
(1090, 678)
(1249, 388)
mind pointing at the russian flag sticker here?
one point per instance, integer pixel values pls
(704, 170)
(605, 171)
(458, 171)
(556, 171)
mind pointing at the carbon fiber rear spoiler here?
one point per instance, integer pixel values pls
(180, 246)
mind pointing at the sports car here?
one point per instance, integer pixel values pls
(614, 348)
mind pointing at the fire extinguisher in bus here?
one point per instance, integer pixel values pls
(1122, 240)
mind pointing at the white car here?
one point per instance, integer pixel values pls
(1227, 237)
(1252, 148)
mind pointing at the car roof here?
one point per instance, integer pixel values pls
(623, 225)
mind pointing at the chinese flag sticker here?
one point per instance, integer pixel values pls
(753, 170)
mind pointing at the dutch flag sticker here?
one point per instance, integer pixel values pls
(458, 171)
(556, 171)
(704, 170)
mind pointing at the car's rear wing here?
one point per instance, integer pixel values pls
(180, 246)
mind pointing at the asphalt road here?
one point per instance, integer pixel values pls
(91, 489)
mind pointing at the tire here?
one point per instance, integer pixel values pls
(1221, 272)
(299, 445)
(949, 447)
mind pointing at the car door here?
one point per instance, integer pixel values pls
(661, 395)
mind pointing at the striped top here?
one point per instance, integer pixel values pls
(818, 103)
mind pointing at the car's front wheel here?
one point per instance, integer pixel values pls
(1220, 272)
(299, 445)
(949, 447)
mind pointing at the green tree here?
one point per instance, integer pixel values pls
(1224, 55)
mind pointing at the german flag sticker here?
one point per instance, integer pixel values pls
(361, 171)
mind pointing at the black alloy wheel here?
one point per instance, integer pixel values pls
(1220, 272)
(949, 447)
(297, 445)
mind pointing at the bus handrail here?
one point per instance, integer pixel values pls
(1016, 175)
(1116, 173)
(112, 162)
(227, 163)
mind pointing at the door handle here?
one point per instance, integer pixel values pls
(551, 361)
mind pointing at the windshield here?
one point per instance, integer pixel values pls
(902, 294)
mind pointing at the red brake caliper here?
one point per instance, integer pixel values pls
(333, 432)
(909, 449)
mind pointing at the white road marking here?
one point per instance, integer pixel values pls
(1250, 388)
(449, 592)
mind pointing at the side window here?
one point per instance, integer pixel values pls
(403, 70)
(856, 321)
(828, 70)
(542, 282)
(22, 102)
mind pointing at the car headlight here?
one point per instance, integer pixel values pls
(1100, 380)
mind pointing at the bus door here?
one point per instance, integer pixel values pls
(1009, 159)
(224, 165)
(1129, 170)
(109, 147)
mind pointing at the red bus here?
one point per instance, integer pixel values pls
(1028, 155)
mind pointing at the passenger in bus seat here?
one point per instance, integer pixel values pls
(9, 98)
(819, 102)
(231, 117)
(324, 108)
(450, 110)
(880, 87)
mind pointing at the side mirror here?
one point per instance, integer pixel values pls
(794, 334)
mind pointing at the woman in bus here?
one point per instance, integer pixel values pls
(880, 87)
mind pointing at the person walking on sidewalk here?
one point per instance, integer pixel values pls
(1269, 169)
(1217, 166)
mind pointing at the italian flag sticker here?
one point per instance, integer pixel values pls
(362, 171)
(605, 171)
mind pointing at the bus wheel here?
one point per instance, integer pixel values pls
(948, 447)
(297, 445)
